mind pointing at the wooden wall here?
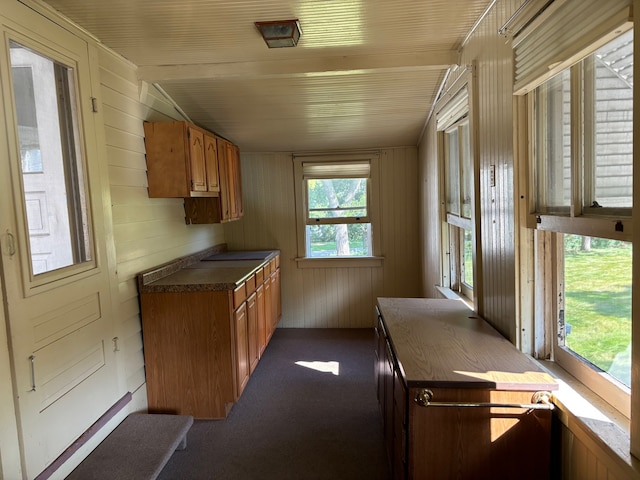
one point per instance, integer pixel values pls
(331, 297)
(582, 457)
(147, 231)
(491, 56)
(579, 456)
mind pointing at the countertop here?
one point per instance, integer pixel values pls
(442, 343)
(207, 271)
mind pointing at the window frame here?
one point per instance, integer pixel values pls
(545, 249)
(34, 284)
(456, 110)
(372, 217)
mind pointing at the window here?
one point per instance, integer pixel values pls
(582, 170)
(53, 181)
(335, 206)
(456, 153)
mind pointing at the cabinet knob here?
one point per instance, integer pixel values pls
(423, 397)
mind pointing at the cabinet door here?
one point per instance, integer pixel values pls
(242, 349)
(381, 355)
(237, 181)
(223, 171)
(196, 160)
(399, 427)
(211, 163)
(388, 403)
(275, 300)
(252, 331)
(262, 319)
(277, 297)
(268, 312)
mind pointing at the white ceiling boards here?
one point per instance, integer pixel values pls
(363, 74)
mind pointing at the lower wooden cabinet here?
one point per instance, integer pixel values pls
(201, 347)
(451, 392)
(242, 348)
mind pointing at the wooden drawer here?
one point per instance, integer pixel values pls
(273, 265)
(277, 261)
(250, 285)
(239, 296)
(259, 277)
(267, 270)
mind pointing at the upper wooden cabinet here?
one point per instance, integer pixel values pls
(181, 160)
(185, 161)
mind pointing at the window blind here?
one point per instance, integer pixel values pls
(551, 43)
(353, 169)
(454, 110)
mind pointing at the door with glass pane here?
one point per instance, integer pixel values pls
(54, 263)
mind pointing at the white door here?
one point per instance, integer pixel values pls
(53, 244)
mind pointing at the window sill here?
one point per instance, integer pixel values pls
(339, 262)
(593, 421)
(448, 293)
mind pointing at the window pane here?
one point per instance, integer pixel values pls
(467, 170)
(337, 240)
(612, 69)
(337, 197)
(467, 259)
(452, 171)
(53, 180)
(597, 315)
(553, 144)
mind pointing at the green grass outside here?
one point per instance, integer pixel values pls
(598, 306)
(320, 247)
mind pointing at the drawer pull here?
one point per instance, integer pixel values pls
(32, 360)
(539, 401)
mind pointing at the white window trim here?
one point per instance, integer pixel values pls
(375, 260)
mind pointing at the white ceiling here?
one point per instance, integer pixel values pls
(364, 74)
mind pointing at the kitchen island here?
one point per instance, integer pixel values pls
(206, 320)
(458, 400)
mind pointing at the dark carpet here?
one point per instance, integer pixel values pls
(293, 421)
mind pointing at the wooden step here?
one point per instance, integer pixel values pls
(137, 449)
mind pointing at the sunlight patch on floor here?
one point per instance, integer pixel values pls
(325, 367)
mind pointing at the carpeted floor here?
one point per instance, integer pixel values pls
(294, 421)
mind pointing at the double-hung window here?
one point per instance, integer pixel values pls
(455, 142)
(335, 203)
(580, 198)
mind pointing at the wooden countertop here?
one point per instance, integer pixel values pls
(205, 273)
(442, 343)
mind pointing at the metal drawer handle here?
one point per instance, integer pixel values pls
(32, 359)
(539, 401)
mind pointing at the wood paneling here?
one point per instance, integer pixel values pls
(583, 458)
(331, 297)
(147, 232)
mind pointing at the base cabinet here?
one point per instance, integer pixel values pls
(189, 351)
(200, 347)
(473, 425)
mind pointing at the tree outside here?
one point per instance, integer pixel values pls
(338, 198)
